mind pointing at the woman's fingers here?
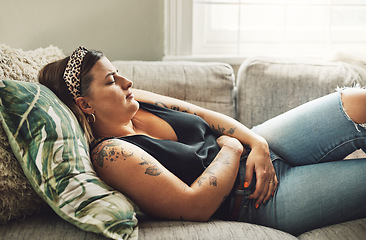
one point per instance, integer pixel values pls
(249, 170)
(262, 188)
(266, 183)
(273, 183)
(269, 187)
(266, 180)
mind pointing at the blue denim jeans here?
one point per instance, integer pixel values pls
(316, 187)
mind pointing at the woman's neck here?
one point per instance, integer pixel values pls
(101, 130)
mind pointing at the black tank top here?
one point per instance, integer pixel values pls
(187, 157)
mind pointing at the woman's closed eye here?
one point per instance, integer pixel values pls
(112, 81)
(111, 76)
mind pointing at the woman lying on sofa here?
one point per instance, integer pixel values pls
(180, 161)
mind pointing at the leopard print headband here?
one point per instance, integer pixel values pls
(72, 71)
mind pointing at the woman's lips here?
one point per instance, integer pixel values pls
(130, 95)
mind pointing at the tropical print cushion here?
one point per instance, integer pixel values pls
(52, 150)
(17, 198)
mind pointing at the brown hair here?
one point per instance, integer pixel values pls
(52, 74)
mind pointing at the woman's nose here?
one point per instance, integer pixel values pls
(126, 83)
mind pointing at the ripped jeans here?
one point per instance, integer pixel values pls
(316, 187)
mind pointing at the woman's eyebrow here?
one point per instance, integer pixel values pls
(109, 74)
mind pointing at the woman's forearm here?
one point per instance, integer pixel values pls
(223, 124)
(216, 182)
(258, 160)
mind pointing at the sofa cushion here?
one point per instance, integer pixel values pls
(212, 230)
(209, 85)
(45, 226)
(270, 86)
(17, 198)
(17, 64)
(355, 229)
(54, 154)
(41, 227)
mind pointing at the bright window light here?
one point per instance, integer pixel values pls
(311, 28)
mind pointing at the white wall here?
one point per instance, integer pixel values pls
(122, 29)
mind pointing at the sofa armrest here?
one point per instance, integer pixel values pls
(209, 85)
(268, 86)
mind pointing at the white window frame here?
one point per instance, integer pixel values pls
(178, 28)
(178, 34)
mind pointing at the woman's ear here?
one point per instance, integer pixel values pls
(84, 105)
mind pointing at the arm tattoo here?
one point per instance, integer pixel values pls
(231, 131)
(224, 158)
(161, 104)
(200, 180)
(152, 169)
(221, 159)
(221, 130)
(109, 151)
(174, 107)
(213, 181)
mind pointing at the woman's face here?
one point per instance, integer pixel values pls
(110, 95)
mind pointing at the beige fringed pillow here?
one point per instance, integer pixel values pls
(17, 197)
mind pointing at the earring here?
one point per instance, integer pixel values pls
(90, 118)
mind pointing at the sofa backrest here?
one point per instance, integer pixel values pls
(268, 86)
(209, 85)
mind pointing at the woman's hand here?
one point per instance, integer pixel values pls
(259, 161)
(230, 142)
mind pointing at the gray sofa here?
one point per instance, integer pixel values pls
(262, 88)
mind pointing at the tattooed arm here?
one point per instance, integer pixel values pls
(258, 159)
(130, 170)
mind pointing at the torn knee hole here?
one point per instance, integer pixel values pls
(354, 105)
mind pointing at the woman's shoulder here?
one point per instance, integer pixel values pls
(112, 149)
(112, 143)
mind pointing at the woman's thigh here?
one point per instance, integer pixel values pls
(317, 131)
(313, 196)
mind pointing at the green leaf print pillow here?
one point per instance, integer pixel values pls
(50, 146)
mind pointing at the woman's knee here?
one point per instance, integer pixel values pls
(354, 104)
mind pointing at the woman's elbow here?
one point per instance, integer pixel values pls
(199, 210)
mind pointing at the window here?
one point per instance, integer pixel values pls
(241, 28)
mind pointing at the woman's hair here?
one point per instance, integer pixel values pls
(52, 76)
